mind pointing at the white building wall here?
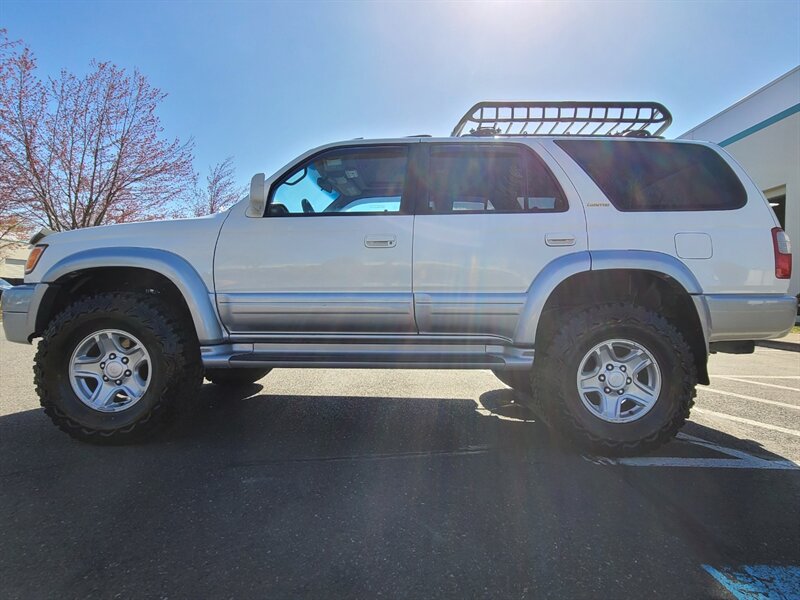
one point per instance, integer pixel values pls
(12, 260)
(762, 132)
(761, 105)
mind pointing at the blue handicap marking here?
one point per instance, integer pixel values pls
(759, 582)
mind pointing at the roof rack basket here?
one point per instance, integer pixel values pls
(518, 119)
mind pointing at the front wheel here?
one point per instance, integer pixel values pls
(618, 379)
(114, 367)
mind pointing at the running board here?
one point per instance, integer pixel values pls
(367, 356)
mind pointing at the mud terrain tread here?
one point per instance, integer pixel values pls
(552, 365)
(182, 364)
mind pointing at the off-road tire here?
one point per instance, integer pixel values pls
(235, 377)
(168, 337)
(554, 379)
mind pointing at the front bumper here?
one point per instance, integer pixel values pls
(20, 305)
(749, 316)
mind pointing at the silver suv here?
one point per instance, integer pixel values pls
(590, 264)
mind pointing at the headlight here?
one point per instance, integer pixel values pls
(33, 257)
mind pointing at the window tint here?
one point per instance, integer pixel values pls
(658, 176)
(502, 178)
(344, 180)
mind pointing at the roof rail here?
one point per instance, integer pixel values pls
(518, 119)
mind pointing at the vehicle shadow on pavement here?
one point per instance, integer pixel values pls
(269, 495)
(493, 420)
(234, 418)
(327, 426)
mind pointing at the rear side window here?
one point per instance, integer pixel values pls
(658, 176)
(499, 178)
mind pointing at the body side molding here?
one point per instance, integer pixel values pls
(173, 267)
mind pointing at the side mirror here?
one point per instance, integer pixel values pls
(258, 196)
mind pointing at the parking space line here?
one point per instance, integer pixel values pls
(749, 582)
(753, 398)
(719, 415)
(739, 460)
(707, 463)
(763, 376)
(711, 445)
(772, 385)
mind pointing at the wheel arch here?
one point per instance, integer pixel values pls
(543, 286)
(152, 265)
(654, 280)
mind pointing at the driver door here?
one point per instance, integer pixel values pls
(331, 254)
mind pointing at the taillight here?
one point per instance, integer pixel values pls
(783, 253)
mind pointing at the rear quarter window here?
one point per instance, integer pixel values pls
(658, 176)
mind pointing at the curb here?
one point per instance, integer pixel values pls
(779, 345)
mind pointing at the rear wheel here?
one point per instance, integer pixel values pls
(617, 378)
(236, 376)
(115, 367)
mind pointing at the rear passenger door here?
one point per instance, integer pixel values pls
(489, 218)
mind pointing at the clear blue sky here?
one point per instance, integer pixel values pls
(266, 81)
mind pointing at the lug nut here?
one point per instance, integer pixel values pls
(112, 356)
(628, 380)
(127, 373)
(623, 368)
(602, 377)
(607, 390)
(105, 378)
(609, 367)
(620, 392)
(102, 365)
(124, 360)
(118, 382)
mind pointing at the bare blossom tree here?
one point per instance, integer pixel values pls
(220, 190)
(12, 227)
(12, 230)
(78, 151)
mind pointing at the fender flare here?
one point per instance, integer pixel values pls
(539, 291)
(175, 268)
(647, 260)
(664, 264)
(568, 265)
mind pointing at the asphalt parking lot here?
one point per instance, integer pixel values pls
(403, 484)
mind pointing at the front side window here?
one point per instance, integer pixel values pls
(343, 180)
(502, 178)
(658, 176)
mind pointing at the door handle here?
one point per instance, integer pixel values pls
(559, 239)
(380, 241)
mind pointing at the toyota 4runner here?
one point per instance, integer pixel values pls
(590, 264)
